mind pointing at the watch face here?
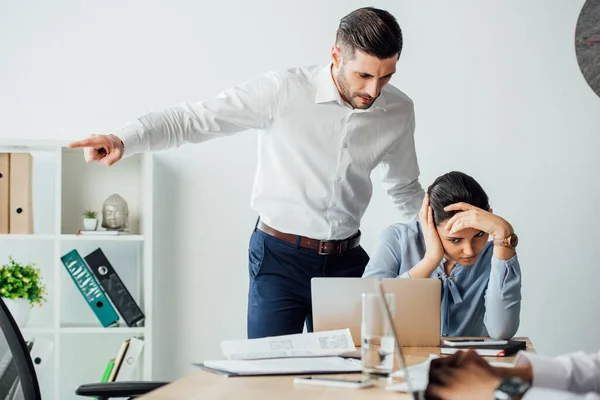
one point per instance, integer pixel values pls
(513, 240)
(587, 43)
(510, 388)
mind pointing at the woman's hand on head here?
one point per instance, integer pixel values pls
(435, 250)
(469, 216)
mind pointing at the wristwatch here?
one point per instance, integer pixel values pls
(510, 241)
(511, 389)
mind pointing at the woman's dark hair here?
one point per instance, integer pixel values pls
(370, 30)
(455, 187)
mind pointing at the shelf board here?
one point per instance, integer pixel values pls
(32, 236)
(101, 330)
(95, 238)
(27, 331)
(37, 331)
(40, 236)
(27, 146)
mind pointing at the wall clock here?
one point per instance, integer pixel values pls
(587, 43)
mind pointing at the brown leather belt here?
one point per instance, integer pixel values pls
(324, 247)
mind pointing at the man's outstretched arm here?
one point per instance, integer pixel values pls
(251, 105)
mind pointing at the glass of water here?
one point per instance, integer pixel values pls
(377, 338)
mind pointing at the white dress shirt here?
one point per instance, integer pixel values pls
(570, 377)
(315, 153)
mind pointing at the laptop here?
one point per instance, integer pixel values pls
(337, 304)
(416, 395)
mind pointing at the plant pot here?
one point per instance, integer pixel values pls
(20, 310)
(90, 224)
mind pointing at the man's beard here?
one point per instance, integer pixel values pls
(347, 94)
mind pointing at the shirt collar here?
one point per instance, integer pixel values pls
(327, 92)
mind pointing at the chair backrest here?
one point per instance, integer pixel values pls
(18, 380)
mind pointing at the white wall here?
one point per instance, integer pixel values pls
(497, 90)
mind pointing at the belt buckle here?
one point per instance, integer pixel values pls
(323, 243)
(321, 250)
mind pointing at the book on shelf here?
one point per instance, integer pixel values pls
(90, 288)
(127, 361)
(107, 370)
(119, 360)
(114, 287)
(102, 233)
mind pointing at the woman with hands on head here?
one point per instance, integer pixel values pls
(471, 250)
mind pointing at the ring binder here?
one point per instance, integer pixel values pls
(114, 287)
(89, 288)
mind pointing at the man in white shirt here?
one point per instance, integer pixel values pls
(322, 130)
(468, 376)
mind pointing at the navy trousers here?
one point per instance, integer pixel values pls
(279, 300)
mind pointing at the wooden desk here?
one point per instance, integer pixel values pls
(206, 385)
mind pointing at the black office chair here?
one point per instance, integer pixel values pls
(18, 380)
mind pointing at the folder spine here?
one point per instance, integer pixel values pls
(89, 288)
(20, 192)
(131, 361)
(4, 192)
(107, 371)
(114, 287)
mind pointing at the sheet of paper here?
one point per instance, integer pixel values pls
(501, 364)
(417, 370)
(419, 375)
(314, 344)
(305, 365)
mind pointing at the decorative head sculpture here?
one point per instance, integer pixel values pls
(115, 213)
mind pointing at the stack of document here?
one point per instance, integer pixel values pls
(317, 352)
(315, 344)
(283, 366)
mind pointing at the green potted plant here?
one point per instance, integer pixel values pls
(90, 220)
(22, 288)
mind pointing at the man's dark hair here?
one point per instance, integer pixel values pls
(455, 187)
(370, 30)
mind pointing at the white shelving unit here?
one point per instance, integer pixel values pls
(63, 187)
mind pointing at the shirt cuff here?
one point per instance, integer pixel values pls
(503, 269)
(131, 136)
(405, 275)
(552, 394)
(503, 264)
(547, 372)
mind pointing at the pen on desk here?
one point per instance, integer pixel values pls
(594, 41)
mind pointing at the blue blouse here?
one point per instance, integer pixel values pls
(481, 300)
